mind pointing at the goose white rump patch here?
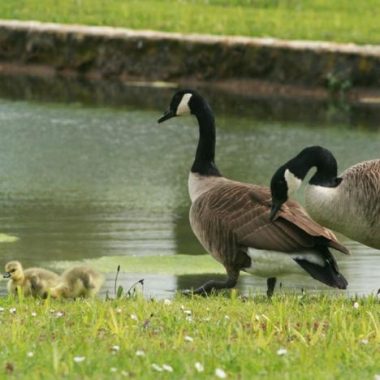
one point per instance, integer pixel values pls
(272, 263)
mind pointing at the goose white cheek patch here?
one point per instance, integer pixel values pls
(183, 107)
(292, 181)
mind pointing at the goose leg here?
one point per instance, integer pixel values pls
(208, 287)
(271, 283)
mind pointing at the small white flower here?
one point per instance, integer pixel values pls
(134, 317)
(282, 351)
(33, 314)
(79, 359)
(30, 354)
(220, 373)
(113, 369)
(189, 319)
(356, 305)
(257, 317)
(226, 317)
(364, 341)
(187, 312)
(59, 314)
(125, 373)
(377, 377)
(1, 309)
(140, 353)
(167, 368)
(182, 307)
(156, 367)
(206, 319)
(188, 338)
(199, 366)
(12, 310)
(167, 302)
(115, 348)
(118, 310)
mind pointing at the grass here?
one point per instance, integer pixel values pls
(332, 20)
(290, 337)
(170, 264)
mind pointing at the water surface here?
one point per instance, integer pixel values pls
(79, 181)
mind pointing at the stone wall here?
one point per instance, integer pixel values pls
(154, 56)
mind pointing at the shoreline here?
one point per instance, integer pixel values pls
(317, 70)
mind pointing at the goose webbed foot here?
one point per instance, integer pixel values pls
(213, 285)
(271, 284)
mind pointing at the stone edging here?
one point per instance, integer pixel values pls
(157, 56)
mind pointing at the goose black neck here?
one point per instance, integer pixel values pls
(323, 160)
(204, 157)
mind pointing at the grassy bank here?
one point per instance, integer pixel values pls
(335, 20)
(290, 337)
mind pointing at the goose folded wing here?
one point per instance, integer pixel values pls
(293, 213)
(244, 210)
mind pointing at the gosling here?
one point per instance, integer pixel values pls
(81, 281)
(32, 282)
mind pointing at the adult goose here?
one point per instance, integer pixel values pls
(349, 204)
(231, 219)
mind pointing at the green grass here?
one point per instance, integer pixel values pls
(324, 338)
(170, 264)
(333, 20)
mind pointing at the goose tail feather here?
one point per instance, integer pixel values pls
(328, 273)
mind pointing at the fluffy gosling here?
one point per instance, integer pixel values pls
(81, 281)
(33, 282)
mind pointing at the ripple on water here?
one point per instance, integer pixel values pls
(82, 182)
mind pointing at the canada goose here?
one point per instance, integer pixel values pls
(349, 204)
(80, 281)
(231, 219)
(35, 282)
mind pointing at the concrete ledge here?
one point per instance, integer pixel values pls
(156, 56)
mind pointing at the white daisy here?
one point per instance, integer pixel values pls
(220, 373)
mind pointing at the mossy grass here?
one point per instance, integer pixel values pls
(291, 336)
(335, 20)
(164, 264)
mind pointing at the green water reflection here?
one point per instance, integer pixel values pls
(82, 182)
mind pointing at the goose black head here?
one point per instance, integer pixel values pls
(283, 183)
(184, 102)
(288, 178)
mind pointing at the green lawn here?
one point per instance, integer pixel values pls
(290, 337)
(333, 20)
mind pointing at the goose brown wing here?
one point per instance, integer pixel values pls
(243, 210)
(295, 214)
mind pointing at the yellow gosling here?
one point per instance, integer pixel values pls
(33, 282)
(81, 281)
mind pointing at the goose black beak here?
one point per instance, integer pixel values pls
(6, 275)
(276, 207)
(167, 115)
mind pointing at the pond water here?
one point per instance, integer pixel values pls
(80, 180)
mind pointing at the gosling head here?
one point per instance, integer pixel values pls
(58, 291)
(184, 102)
(283, 183)
(13, 270)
